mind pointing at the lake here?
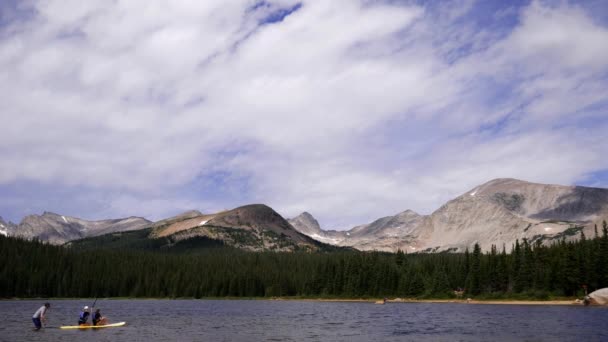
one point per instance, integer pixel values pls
(262, 320)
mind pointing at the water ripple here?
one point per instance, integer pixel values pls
(192, 320)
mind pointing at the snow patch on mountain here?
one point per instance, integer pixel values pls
(325, 239)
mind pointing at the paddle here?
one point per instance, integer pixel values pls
(93, 310)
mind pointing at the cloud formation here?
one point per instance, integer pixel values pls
(350, 110)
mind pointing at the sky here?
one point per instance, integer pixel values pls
(350, 110)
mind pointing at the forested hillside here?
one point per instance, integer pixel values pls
(34, 269)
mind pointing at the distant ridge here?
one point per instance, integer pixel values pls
(495, 213)
(58, 229)
(254, 227)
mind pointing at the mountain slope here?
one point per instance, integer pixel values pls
(497, 212)
(58, 229)
(502, 210)
(178, 218)
(306, 224)
(254, 227)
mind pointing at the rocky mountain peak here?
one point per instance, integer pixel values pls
(306, 215)
(250, 216)
(305, 223)
(408, 213)
(190, 213)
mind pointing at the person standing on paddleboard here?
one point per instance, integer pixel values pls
(84, 316)
(40, 315)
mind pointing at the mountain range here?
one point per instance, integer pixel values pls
(58, 229)
(495, 213)
(254, 227)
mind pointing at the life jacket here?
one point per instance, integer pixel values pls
(84, 316)
(96, 318)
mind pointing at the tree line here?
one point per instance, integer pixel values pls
(531, 270)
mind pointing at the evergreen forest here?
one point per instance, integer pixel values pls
(31, 269)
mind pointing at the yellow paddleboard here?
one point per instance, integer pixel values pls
(113, 325)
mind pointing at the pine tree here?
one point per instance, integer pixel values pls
(584, 260)
(502, 271)
(440, 284)
(596, 235)
(473, 279)
(526, 267)
(516, 269)
(415, 284)
(603, 262)
(571, 282)
(493, 280)
(399, 258)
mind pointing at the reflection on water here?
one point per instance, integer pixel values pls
(257, 320)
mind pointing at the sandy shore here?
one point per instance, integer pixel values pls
(458, 301)
(510, 302)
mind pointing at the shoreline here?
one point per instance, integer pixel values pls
(446, 301)
(342, 300)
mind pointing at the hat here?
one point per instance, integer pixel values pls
(86, 308)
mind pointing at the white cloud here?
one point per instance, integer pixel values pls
(143, 98)
(565, 35)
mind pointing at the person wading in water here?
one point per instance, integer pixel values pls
(40, 316)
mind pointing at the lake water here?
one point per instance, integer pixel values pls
(259, 320)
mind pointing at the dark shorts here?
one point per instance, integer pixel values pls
(37, 323)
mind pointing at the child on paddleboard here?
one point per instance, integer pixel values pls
(84, 316)
(98, 319)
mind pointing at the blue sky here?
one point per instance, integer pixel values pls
(351, 110)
